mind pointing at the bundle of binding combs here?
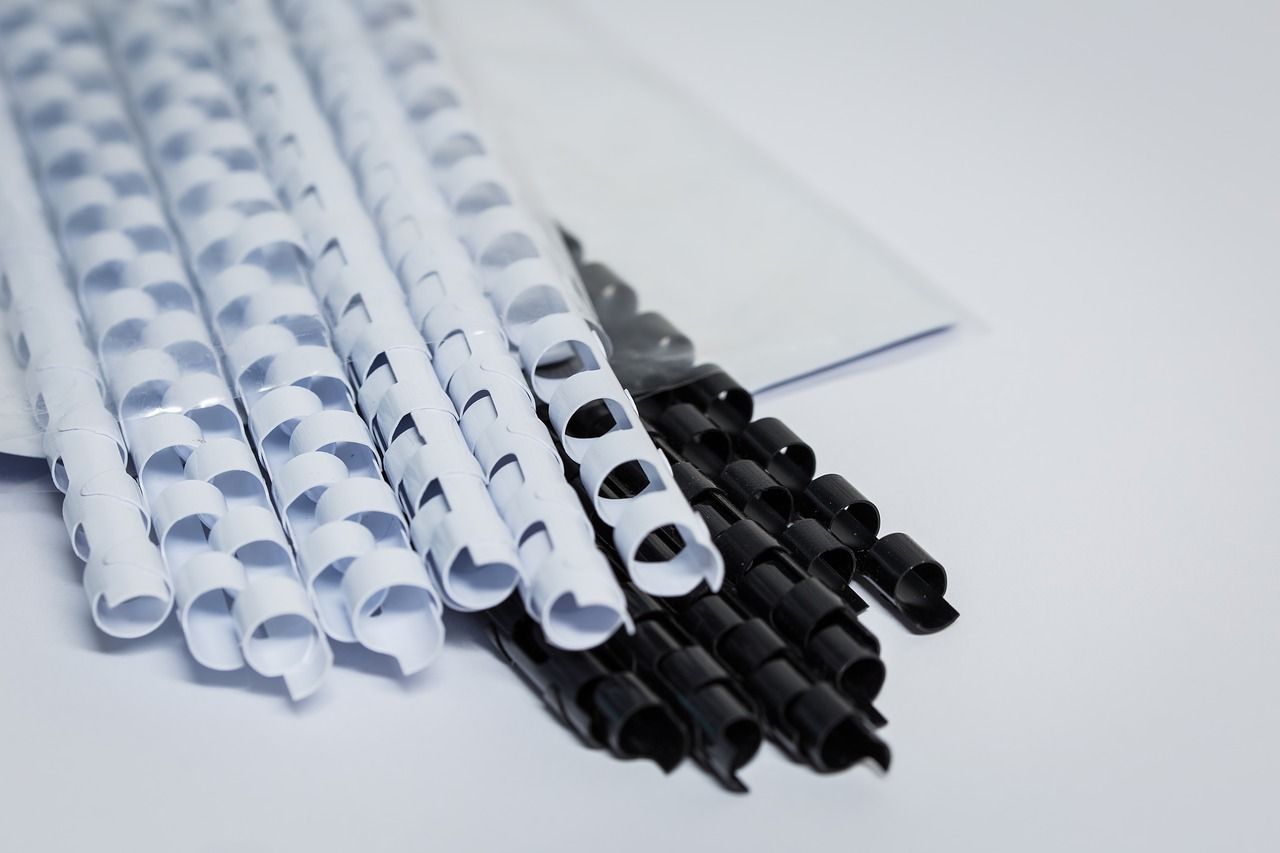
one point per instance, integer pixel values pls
(307, 369)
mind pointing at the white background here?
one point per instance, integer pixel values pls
(1095, 457)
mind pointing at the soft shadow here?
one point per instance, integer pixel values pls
(169, 639)
(24, 472)
(167, 635)
(467, 630)
(357, 657)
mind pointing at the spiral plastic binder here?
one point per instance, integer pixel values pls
(722, 725)
(309, 368)
(230, 563)
(469, 551)
(565, 583)
(249, 261)
(766, 581)
(604, 703)
(125, 579)
(523, 270)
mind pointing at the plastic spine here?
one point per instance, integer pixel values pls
(249, 258)
(523, 270)
(125, 580)
(764, 578)
(824, 524)
(604, 703)
(468, 549)
(723, 724)
(227, 555)
(566, 585)
(809, 718)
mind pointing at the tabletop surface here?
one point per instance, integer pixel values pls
(1093, 454)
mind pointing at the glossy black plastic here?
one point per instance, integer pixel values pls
(819, 552)
(813, 720)
(903, 574)
(779, 451)
(759, 496)
(751, 544)
(695, 437)
(721, 720)
(810, 719)
(718, 395)
(605, 705)
(761, 575)
(842, 509)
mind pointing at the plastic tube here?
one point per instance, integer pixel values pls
(227, 555)
(523, 270)
(125, 580)
(566, 585)
(250, 265)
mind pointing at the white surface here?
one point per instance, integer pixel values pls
(1095, 460)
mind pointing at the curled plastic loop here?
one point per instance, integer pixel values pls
(533, 289)
(261, 270)
(126, 582)
(217, 536)
(463, 517)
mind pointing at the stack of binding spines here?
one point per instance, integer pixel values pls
(565, 584)
(523, 272)
(249, 262)
(470, 553)
(785, 626)
(780, 651)
(723, 674)
(125, 579)
(210, 514)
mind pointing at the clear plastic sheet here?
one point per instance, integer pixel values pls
(767, 278)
